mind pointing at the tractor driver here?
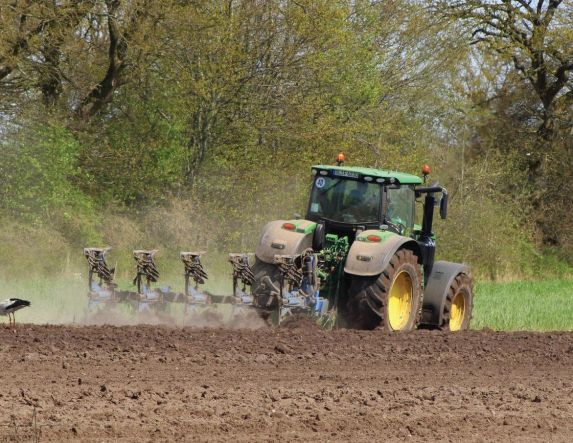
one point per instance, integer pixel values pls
(360, 205)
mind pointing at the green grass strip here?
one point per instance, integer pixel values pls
(524, 305)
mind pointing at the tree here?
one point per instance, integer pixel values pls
(535, 39)
(536, 36)
(78, 49)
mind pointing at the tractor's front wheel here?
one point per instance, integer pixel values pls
(391, 301)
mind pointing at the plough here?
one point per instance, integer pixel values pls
(298, 286)
(104, 294)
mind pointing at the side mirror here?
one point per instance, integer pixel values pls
(444, 205)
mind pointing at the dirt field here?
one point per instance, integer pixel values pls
(155, 383)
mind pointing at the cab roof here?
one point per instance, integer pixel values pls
(358, 172)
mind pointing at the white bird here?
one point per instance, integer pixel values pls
(10, 306)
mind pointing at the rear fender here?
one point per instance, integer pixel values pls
(371, 258)
(278, 241)
(439, 281)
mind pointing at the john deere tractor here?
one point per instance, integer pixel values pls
(359, 259)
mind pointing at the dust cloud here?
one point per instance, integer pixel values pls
(64, 301)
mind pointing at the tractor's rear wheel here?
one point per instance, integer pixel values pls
(459, 305)
(266, 284)
(391, 301)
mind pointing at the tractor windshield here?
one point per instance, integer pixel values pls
(345, 200)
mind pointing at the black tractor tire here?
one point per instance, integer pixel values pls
(368, 299)
(460, 298)
(266, 275)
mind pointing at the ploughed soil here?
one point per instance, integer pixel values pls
(156, 383)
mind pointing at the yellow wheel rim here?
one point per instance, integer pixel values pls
(400, 301)
(458, 312)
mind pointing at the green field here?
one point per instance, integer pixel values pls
(523, 305)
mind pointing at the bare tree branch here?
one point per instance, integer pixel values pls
(519, 30)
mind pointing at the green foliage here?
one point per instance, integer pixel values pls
(134, 161)
(484, 225)
(33, 252)
(189, 125)
(39, 171)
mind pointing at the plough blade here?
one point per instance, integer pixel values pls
(194, 271)
(101, 292)
(242, 274)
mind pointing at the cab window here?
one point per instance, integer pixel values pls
(400, 205)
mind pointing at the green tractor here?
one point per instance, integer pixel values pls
(359, 260)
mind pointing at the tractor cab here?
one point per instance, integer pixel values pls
(348, 200)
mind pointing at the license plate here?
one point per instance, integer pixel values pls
(345, 174)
